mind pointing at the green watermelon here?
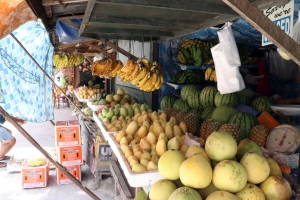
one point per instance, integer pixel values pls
(207, 113)
(245, 96)
(194, 99)
(261, 103)
(245, 121)
(181, 105)
(207, 96)
(197, 111)
(167, 102)
(226, 99)
(186, 91)
(223, 113)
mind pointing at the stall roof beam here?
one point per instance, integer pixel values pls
(118, 21)
(262, 23)
(57, 2)
(132, 32)
(187, 5)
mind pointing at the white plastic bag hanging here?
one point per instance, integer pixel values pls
(295, 34)
(227, 61)
(230, 50)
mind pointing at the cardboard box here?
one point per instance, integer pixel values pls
(71, 155)
(34, 176)
(74, 170)
(67, 133)
(103, 152)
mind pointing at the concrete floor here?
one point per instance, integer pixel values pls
(43, 133)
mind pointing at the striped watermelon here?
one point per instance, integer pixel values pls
(245, 96)
(181, 105)
(198, 112)
(186, 91)
(245, 121)
(207, 96)
(207, 113)
(167, 102)
(261, 103)
(226, 99)
(194, 99)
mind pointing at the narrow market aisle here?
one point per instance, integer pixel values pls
(43, 133)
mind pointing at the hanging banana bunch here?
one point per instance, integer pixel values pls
(60, 61)
(67, 60)
(149, 77)
(104, 68)
(129, 71)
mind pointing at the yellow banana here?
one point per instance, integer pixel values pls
(144, 79)
(152, 80)
(213, 74)
(127, 66)
(139, 61)
(215, 77)
(208, 73)
(145, 60)
(158, 82)
(141, 75)
(162, 79)
(135, 71)
(181, 58)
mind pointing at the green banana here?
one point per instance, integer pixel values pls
(194, 52)
(191, 51)
(198, 62)
(181, 58)
(186, 54)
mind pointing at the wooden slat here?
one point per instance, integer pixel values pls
(56, 2)
(118, 21)
(122, 37)
(122, 51)
(95, 47)
(122, 31)
(187, 5)
(48, 10)
(120, 181)
(262, 23)
(69, 17)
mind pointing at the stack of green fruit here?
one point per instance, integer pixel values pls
(188, 77)
(195, 52)
(126, 111)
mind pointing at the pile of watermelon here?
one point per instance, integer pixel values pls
(209, 103)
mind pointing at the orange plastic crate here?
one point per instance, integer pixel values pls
(33, 177)
(71, 155)
(67, 133)
(74, 170)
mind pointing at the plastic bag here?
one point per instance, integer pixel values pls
(227, 61)
(228, 45)
(295, 34)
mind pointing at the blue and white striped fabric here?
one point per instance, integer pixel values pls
(26, 90)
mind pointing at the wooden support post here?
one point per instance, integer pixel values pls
(122, 51)
(262, 23)
(49, 157)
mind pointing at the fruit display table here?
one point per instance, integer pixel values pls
(134, 179)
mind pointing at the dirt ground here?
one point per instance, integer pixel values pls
(43, 133)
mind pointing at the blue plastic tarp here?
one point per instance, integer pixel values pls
(26, 90)
(68, 34)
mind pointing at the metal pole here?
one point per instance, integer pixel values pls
(58, 165)
(53, 82)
